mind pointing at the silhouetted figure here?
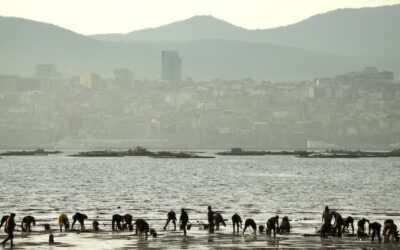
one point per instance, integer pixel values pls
(63, 221)
(95, 225)
(390, 229)
(81, 218)
(218, 219)
(361, 227)
(171, 216)
(272, 224)
(376, 230)
(141, 227)
(128, 221)
(338, 222)
(51, 239)
(250, 223)
(236, 222)
(116, 222)
(26, 223)
(285, 225)
(349, 221)
(3, 220)
(326, 215)
(210, 218)
(261, 229)
(326, 228)
(9, 228)
(184, 219)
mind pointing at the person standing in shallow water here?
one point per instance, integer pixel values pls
(9, 227)
(326, 228)
(210, 218)
(326, 215)
(184, 219)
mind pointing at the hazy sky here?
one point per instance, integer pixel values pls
(121, 16)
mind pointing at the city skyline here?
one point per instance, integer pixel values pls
(127, 16)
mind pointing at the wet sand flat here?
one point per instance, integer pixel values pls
(196, 239)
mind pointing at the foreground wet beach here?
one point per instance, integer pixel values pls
(254, 187)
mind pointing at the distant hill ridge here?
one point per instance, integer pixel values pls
(221, 50)
(364, 31)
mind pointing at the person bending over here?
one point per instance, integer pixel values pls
(26, 223)
(80, 218)
(361, 227)
(63, 221)
(272, 224)
(250, 223)
(171, 216)
(285, 225)
(237, 222)
(349, 221)
(218, 219)
(376, 230)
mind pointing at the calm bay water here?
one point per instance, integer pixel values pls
(254, 187)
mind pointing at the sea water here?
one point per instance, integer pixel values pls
(257, 187)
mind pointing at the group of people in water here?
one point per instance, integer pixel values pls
(342, 224)
(215, 220)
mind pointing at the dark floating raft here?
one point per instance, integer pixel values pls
(312, 154)
(37, 152)
(140, 151)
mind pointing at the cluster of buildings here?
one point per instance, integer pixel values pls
(354, 110)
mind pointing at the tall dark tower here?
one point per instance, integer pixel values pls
(171, 66)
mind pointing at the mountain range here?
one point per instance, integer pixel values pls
(322, 45)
